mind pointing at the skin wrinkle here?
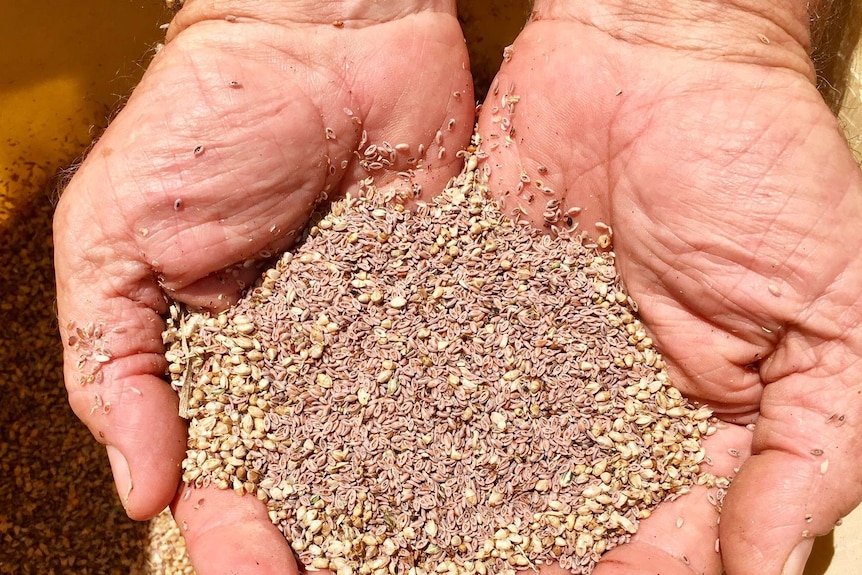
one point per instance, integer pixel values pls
(748, 383)
(657, 223)
(650, 126)
(139, 287)
(742, 398)
(632, 37)
(421, 51)
(112, 290)
(147, 186)
(851, 324)
(295, 57)
(123, 275)
(754, 256)
(813, 306)
(240, 229)
(194, 13)
(750, 145)
(183, 214)
(795, 354)
(795, 26)
(791, 431)
(81, 398)
(734, 308)
(828, 367)
(794, 443)
(810, 353)
(744, 49)
(810, 310)
(675, 248)
(205, 105)
(753, 348)
(756, 145)
(587, 163)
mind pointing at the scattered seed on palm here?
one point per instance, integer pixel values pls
(437, 389)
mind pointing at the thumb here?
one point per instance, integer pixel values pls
(803, 475)
(224, 529)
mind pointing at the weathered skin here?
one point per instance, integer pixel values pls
(146, 215)
(734, 200)
(736, 209)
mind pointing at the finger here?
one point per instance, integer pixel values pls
(220, 290)
(803, 474)
(113, 363)
(224, 529)
(680, 536)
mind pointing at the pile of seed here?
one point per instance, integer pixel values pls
(437, 389)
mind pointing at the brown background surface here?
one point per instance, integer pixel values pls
(64, 68)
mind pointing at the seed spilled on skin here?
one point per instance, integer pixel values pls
(437, 389)
(91, 350)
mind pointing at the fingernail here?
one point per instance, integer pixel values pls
(122, 473)
(795, 564)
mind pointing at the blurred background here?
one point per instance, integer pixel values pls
(65, 70)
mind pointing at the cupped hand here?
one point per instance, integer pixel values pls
(695, 132)
(250, 115)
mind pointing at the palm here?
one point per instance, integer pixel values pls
(246, 155)
(730, 193)
(239, 127)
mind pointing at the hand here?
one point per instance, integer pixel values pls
(697, 134)
(249, 116)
